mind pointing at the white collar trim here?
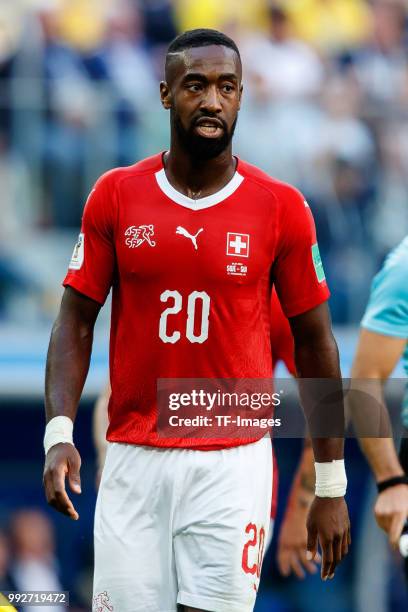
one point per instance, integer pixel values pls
(200, 203)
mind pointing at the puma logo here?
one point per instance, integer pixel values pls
(183, 232)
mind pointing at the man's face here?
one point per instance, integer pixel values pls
(203, 92)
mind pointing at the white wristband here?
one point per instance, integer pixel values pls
(58, 430)
(331, 479)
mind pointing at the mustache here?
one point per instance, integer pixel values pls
(198, 147)
(212, 119)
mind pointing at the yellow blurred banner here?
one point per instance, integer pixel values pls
(5, 606)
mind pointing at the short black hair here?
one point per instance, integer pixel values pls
(201, 37)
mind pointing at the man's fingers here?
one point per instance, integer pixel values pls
(74, 477)
(327, 559)
(345, 545)
(62, 461)
(297, 567)
(337, 552)
(284, 562)
(396, 526)
(61, 502)
(48, 488)
(310, 566)
(331, 516)
(61, 499)
(333, 553)
(57, 495)
(383, 521)
(311, 543)
(294, 560)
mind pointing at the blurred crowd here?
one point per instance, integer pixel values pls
(28, 562)
(326, 93)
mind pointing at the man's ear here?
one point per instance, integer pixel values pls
(165, 95)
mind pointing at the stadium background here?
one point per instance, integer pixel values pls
(326, 93)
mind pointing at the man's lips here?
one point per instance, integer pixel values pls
(209, 127)
(210, 121)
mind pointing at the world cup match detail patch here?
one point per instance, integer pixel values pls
(318, 264)
(77, 258)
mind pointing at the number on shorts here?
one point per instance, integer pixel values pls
(253, 542)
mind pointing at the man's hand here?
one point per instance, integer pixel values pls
(292, 543)
(391, 511)
(62, 460)
(328, 524)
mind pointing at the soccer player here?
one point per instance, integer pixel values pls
(191, 241)
(382, 342)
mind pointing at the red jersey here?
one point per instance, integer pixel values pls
(191, 283)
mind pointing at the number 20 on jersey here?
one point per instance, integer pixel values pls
(177, 298)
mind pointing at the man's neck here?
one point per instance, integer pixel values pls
(198, 179)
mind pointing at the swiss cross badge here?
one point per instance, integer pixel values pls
(237, 244)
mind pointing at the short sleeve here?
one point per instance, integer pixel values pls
(298, 272)
(387, 309)
(92, 264)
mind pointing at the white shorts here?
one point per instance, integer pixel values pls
(178, 526)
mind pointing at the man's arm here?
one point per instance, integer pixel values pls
(316, 357)
(292, 543)
(68, 361)
(376, 358)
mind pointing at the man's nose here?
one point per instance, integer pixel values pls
(211, 101)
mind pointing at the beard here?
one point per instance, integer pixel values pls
(198, 147)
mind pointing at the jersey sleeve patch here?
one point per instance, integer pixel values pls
(317, 263)
(77, 258)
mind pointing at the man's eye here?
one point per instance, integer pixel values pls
(228, 88)
(194, 87)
